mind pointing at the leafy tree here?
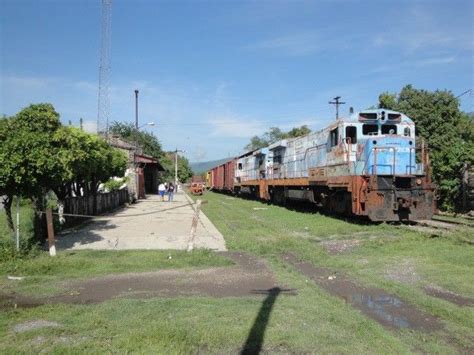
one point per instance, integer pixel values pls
(448, 132)
(275, 134)
(147, 141)
(151, 146)
(184, 169)
(256, 142)
(38, 155)
(7, 185)
(299, 131)
(28, 163)
(88, 161)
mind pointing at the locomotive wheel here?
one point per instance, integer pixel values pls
(278, 197)
(340, 202)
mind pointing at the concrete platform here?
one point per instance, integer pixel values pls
(148, 224)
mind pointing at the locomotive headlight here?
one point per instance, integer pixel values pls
(418, 181)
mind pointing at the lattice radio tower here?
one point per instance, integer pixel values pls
(103, 112)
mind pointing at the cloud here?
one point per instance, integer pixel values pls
(435, 61)
(27, 82)
(86, 86)
(296, 44)
(424, 62)
(232, 127)
(419, 28)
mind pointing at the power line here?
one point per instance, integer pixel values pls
(232, 123)
(470, 91)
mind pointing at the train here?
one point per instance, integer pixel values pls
(368, 164)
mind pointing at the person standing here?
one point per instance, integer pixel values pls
(161, 191)
(170, 192)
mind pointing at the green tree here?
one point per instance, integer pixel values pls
(256, 142)
(146, 140)
(275, 134)
(184, 169)
(151, 146)
(38, 155)
(448, 131)
(28, 157)
(88, 161)
(299, 131)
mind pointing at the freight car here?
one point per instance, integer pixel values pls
(368, 164)
(222, 176)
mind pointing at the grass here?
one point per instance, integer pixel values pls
(26, 222)
(312, 321)
(446, 261)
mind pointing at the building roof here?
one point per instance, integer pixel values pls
(118, 142)
(148, 160)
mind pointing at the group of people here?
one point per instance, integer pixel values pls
(166, 189)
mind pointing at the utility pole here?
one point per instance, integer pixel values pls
(137, 179)
(136, 110)
(336, 102)
(176, 167)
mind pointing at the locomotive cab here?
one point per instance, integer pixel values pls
(392, 169)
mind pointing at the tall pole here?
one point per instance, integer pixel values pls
(137, 180)
(176, 168)
(336, 102)
(136, 110)
(103, 112)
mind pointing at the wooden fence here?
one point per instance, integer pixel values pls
(82, 205)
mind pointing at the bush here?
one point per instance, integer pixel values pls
(9, 253)
(115, 184)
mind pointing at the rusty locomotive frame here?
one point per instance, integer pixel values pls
(369, 164)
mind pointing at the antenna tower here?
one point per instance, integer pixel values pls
(103, 112)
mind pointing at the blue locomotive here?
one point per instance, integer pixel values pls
(369, 164)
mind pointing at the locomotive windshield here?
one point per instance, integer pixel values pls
(389, 129)
(370, 129)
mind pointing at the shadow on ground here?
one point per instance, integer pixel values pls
(254, 342)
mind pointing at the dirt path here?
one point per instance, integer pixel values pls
(438, 292)
(249, 276)
(385, 308)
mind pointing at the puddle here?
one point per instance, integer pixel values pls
(389, 310)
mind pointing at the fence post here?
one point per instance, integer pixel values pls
(18, 223)
(49, 223)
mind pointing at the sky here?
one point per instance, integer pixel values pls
(211, 74)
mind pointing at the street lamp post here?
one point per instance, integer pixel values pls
(176, 166)
(146, 124)
(136, 109)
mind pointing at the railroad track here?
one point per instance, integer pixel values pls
(439, 225)
(464, 221)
